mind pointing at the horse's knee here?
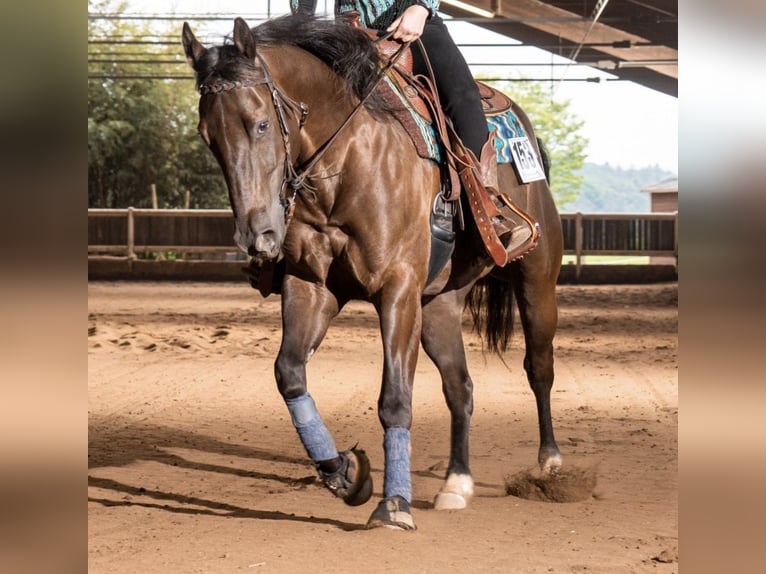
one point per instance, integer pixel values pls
(395, 414)
(290, 376)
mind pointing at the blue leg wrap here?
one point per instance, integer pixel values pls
(314, 435)
(397, 480)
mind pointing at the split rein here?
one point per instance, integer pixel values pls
(294, 178)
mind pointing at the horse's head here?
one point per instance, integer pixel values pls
(241, 126)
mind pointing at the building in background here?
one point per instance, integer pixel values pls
(664, 195)
(664, 199)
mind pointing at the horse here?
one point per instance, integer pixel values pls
(319, 174)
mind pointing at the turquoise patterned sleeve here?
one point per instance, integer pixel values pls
(380, 13)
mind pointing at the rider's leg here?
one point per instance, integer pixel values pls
(460, 100)
(457, 89)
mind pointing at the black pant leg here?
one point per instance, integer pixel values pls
(454, 82)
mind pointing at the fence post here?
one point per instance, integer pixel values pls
(675, 237)
(130, 240)
(578, 245)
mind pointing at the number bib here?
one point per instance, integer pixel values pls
(525, 160)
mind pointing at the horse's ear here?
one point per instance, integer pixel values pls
(192, 48)
(243, 38)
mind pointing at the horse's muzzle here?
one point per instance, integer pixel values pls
(260, 233)
(265, 247)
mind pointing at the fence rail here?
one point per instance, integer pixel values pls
(128, 232)
(208, 234)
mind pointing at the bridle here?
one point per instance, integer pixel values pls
(292, 181)
(294, 177)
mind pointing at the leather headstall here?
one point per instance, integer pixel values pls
(281, 102)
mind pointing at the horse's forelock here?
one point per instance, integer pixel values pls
(224, 63)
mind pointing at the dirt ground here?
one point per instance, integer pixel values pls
(195, 467)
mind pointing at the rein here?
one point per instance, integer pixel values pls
(300, 180)
(295, 176)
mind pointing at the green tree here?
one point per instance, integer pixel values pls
(559, 129)
(615, 189)
(142, 121)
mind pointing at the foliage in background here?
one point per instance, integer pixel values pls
(142, 131)
(610, 189)
(560, 131)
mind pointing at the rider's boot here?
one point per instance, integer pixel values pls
(515, 232)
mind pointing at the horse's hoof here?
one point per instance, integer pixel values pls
(449, 501)
(394, 513)
(352, 481)
(551, 465)
(456, 492)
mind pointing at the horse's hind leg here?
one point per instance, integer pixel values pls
(307, 310)
(442, 340)
(536, 299)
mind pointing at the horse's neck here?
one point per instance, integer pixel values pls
(305, 78)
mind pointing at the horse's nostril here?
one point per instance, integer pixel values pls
(264, 245)
(265, 242)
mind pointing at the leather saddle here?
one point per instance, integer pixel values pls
(419, 94)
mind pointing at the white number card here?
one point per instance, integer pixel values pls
(525, 160)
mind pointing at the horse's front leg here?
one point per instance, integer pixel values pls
(443, 342)
(307, 310)
(400, 320)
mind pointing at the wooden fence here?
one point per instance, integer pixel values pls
(207, 234)
(130, 232)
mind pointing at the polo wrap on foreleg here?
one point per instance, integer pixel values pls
(314, 435)
(397, 480)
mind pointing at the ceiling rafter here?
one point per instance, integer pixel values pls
(636, 39)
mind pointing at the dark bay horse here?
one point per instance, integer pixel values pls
(338, 190)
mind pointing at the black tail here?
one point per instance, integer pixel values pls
(491, 303)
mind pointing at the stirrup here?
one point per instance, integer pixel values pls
(352, 481)
(497, 220)
(525, 233)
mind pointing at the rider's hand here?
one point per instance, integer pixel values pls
(409, 26)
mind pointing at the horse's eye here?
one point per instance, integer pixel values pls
(262, 127)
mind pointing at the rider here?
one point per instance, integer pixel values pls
(459, 95)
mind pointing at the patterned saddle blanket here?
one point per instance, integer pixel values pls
(410, 112)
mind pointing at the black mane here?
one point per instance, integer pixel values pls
(348, 51)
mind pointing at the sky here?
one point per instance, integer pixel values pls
(626, 124)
